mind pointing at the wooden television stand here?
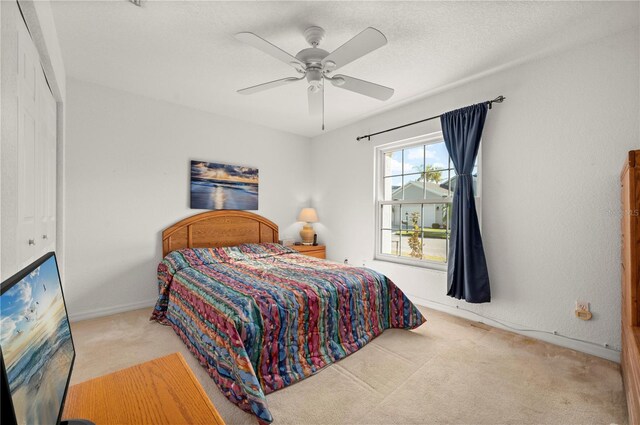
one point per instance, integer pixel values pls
(160, 391)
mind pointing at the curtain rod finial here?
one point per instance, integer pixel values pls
(498, 99)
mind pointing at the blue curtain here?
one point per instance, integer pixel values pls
(468, 277)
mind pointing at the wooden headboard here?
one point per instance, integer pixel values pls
(218, 228)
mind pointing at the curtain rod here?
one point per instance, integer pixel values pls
(498, 99)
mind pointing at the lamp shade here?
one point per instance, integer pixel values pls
(308, 215)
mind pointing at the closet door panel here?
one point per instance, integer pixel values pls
(27, 182)
(30, 147)
(27, 140)
(28, 65)
(47, 127)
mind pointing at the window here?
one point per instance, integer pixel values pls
(415, 185)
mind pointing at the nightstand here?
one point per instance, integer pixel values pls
(318, 251)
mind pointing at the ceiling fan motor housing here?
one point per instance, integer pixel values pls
(312, 56)
(314, 76)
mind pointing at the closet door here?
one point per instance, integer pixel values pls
(36, 156)
(46, 156)
(28, 166)
(51, 117)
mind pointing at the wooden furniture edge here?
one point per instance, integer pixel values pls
(634, 164)
(631, 312)
(630, 356)
(203, 394)
(633, 160)
(317, 251)
(630, 367)
(211, 217)
(308, 247)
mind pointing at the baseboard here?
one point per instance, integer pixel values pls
(605, 353)
(107, 311)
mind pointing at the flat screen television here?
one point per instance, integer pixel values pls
(36, 347)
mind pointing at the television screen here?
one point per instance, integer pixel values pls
(36, 344)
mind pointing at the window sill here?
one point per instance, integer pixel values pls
(423, 264)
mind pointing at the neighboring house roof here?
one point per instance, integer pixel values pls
(447, 183)
(431, 187)
(452, 181)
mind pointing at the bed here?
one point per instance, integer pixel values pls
(260, 316)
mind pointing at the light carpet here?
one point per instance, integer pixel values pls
(448, 371)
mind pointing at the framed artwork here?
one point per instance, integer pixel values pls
(223, 187)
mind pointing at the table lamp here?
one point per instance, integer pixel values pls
(308, 215)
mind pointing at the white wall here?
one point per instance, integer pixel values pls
(127, 173)
(550, 181)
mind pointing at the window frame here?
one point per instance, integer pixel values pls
(379, 202)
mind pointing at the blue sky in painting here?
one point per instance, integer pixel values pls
(22, 303)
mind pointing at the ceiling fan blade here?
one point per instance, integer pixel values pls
(269, 85)
(367, 41)
(270, 49)
(316, 100)
(363, 87)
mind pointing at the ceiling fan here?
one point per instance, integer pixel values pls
(318, 65)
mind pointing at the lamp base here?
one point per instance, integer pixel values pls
(306, 234)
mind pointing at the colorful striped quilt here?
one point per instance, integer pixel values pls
(260, 317)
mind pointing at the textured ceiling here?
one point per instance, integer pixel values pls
(184, 51)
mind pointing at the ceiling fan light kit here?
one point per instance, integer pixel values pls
(315, 65)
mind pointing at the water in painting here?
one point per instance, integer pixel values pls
(223, 187)
(36, 344)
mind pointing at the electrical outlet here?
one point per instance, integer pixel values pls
(582, 306)
(582, 310)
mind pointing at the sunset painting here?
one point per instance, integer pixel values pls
(36, 345)
(223, 187)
